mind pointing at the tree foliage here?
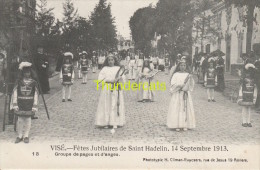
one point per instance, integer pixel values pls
(103, 28)
(142, 28)
(170, 19)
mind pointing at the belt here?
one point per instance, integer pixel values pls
(113, 85)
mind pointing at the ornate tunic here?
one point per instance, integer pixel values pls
(247, 93)
(211, 78)
(67, 74)
(84, 65)
(25, 96)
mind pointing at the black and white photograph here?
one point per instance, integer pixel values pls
(129, 84)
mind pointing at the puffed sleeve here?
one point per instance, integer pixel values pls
(73, 74)
(191, 83)
(61, 74)
(102, 74)
(255, 93)
(174, 83)
(240, 94)
(205, 78)
(36, 98)
(13, 102)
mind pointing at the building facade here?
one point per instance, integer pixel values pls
(125, 44)
(228, 31)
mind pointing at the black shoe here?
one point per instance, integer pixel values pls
(63, 100)
(34, 117)
(18, 140)
(213, 100)
(69, 100)
(26, 140)
(244, 124)
(208, 100)
(249, 125)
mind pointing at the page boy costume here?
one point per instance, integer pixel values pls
(84, 66)
(247, 94)
(210, 80)
(67, 75)
(24, 102)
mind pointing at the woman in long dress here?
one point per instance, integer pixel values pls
(181, 112)
(108, 113)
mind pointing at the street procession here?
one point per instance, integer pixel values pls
(159, 79)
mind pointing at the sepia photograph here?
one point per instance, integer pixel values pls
(129, 84)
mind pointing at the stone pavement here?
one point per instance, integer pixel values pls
(217, 123)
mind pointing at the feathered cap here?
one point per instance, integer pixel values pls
(110, 55)
(23, 65)
(84, 52)
(183, 59)
(211, 60)
(68, 54)
(249, 65)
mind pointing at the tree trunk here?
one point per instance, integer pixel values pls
(250, 20)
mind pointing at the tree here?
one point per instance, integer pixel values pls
(103, 28)
(173, 22)
(204, 28)
(250, 18)
(44, 22)
(69, 35)
(142, 28)
(70, 15)
(44, 18)
(83, 34)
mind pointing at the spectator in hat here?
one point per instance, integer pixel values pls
(220, 63)
(42, 66)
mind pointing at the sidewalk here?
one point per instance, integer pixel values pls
(232, 85)
(55, 87)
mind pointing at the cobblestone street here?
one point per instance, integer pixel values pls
(216, 123)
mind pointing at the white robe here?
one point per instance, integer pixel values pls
(107, 105)
(177, 118)
(132, 69)
(146, 91)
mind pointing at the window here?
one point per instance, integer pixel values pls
(30, 3)
(208, 48)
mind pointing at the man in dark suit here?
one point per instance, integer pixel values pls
(42, 67)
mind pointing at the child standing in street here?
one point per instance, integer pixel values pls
(67, 75)
(24, 101)
(111, 106)
(132, 66)
(79, 66)
(210, 80)
(181, 111)
(84, 67)
(247, 94)
(145, 94)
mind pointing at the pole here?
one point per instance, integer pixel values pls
(40, 89)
